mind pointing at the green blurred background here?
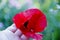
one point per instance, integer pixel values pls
(51, 8)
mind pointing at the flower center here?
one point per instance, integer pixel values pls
(25, 24)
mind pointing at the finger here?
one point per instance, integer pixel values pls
(34, 39)
(9, 35)
(23, 37)
(18, 33)
(12, 28)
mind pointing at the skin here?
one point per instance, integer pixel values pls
(12, 33)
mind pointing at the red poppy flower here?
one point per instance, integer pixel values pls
(30, 21)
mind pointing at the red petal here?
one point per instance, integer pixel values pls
(36, 20)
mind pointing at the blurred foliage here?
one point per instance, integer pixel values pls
(49, 7)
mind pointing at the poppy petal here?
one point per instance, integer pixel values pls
(30, 22)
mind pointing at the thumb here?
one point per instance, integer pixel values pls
(12, 28)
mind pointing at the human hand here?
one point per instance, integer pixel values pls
(12, 33)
